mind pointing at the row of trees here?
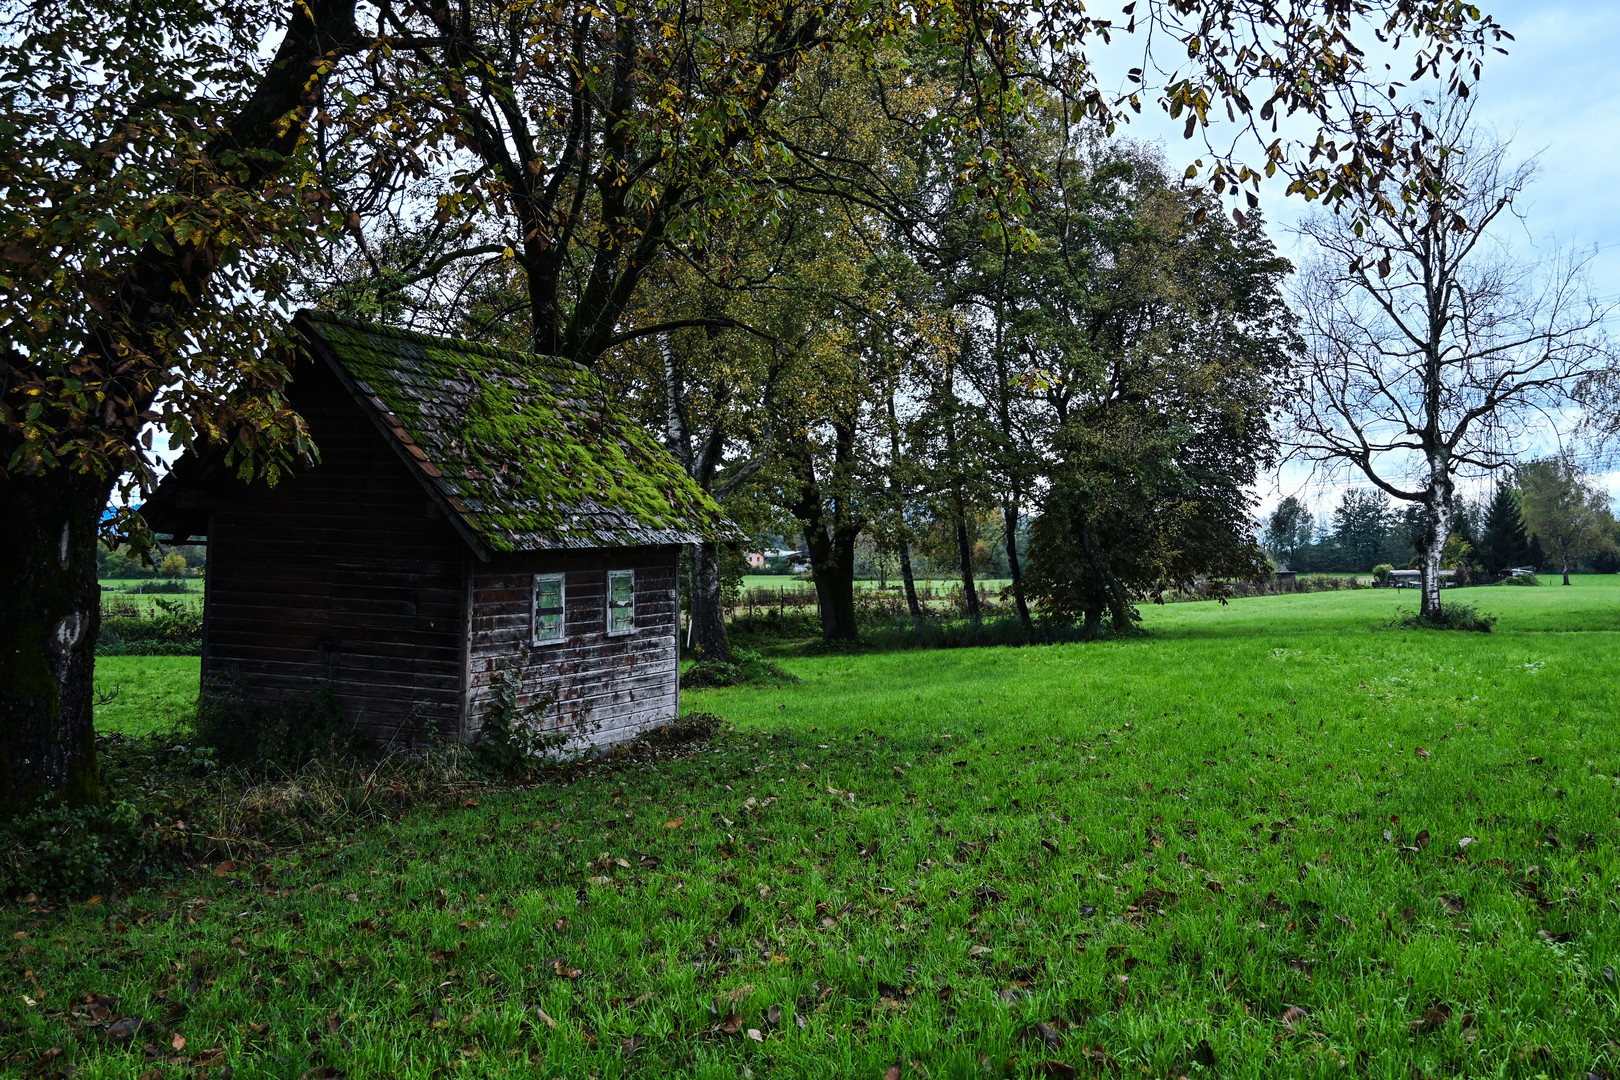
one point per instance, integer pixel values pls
(797, 234)
(1548, 515)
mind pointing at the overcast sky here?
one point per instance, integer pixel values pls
(1549, 94)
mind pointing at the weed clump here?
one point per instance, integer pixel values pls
(690, 728)
(280, 736)
(1452, 616)
(744, 668)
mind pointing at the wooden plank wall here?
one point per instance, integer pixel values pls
(604, 689)
(343, 577)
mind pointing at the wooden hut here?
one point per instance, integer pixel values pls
(471, 510)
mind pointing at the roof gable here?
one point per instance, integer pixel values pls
(526, 451)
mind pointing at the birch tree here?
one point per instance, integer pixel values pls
(1433, 348)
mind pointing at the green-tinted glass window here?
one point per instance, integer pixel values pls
(548, 608)
(621, 612)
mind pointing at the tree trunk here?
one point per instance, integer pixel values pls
(1431, 547)
(1009, 518)
(50, 614)
(964, 552)
(832, 565)
(910, 581)
(1566, 573)
(1093, 623)
(708, 607)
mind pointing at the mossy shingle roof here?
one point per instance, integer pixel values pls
(527, 451)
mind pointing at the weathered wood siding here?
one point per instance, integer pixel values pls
(343, 577)
(603, 689)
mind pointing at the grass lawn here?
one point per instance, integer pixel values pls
(141, 695)
(1274, 839)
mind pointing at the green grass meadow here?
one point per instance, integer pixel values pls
(1273, 838)
(144, 695)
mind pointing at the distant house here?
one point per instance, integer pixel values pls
(471, 509)
(755, 559)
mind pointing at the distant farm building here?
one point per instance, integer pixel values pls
(472, 509)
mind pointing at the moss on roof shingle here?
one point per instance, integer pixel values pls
(527, 450)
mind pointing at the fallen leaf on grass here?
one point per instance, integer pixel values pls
(674, 823)
(978, 950)
(1467, 840)
(756, 1035)
(544, 1018)
(1291, 1016)
(632, 1044)
(731, 1025)
(1422, 839)
(892, 1072)
(125, 1028)
(178, 1042)
(225, 869)
(1420, 752)
(565, 971)
(1453, 905)
(1045, 1033)
(1435, 1016)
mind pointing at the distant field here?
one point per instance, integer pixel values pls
(126, 591)
(779, 581)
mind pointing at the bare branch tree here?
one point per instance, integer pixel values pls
(1433, 349)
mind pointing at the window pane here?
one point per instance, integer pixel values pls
(623, 588)
(547, 593)
(547, 627)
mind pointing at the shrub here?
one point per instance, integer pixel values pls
(171, 586)
(283, 735)
(745, 667)
(965, 633)
(1381, 573)
(167, 628)
(1452, 616)
(1520, 579)
(511, 738)
(55, 850)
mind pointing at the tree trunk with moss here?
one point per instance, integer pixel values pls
(50, 614)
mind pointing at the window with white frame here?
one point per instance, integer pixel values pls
(621, 601)
(546, 613)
